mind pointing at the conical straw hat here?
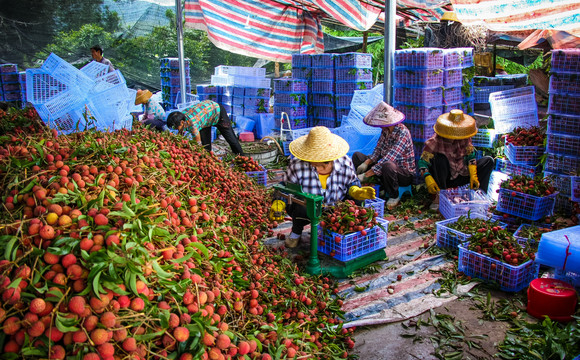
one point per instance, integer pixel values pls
(142, 96)
(384, 115)
(320, 145)
(455, 125)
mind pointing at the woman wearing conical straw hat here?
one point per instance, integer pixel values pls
(322, 167)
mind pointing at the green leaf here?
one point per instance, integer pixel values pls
(160, 272)
(11, 247)
(147, 337)
(200, 247)
(65, 324)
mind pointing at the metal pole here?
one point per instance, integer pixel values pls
(179, 27)
(390, 44)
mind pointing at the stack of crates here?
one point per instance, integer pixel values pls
(353, 71)
(563, 135)
(22, 81)
(170, 81)
(485, 85)
(289, 93)
(11, 91)
(457, 91)
(322, 111)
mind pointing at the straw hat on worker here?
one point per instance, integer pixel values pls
(142, 96)
(320, 145)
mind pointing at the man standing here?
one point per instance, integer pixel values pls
(393, 159)
(97, 54)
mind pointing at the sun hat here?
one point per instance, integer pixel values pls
(320, 145)
(450, 16)
(455, 125)
(142, 96)
(384, 115)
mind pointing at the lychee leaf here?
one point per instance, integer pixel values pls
(160, 272)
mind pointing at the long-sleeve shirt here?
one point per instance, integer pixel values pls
(460, 153)
(153, 111)
(201, 115)
(397, 147)
(341, 178)
(107, 62)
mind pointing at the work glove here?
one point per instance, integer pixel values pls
(277, 210)
(362, 177)
(473, 180)
(362, 168)
(362, 193)
(432, 186)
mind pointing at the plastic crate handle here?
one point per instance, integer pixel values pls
(282, 130)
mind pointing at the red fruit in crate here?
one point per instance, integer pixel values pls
(513, 193)
(337, 239)
(363, 232)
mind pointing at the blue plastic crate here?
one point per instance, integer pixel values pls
(261, 177)
(523, 155)
(484, 138)
(290, 99)
(563, 145)
(352, 246)
(565, 82)
(570, 277)
(451, 238)
(427, 79)
(508, 277)
(12, 96)
(171, 62)
(261, 102)
(506, 167)
(257, 92)
(461, 201)
(561, 182)
(560, 247)
(207, 89)
(423, 58)
(563, 164)
(564, 104)
(324, 112)
(351, 87)
(353, 74)
(301, 60)
(515, 80)
(323, 99)
(329, 123)
(343, 101)
(292, 111)
(504, 104)
(481, 93)
(377, 204)
(302, 73)
(575, 188)
(564, 124)
(453, 78)
(421, 132)
(524, 205)
(523, 241)
(175, 73)
(9, 77)
(254, 110)
(341, 113)
(212, 97)
(353, 59)
(567, 60)
(244, 123)
(11, 87)
(95, 69)
(297, 122)
(419, 114)
(458, 58)
(322, 86)
(417, 96)
(8, 68)
(452, 95)
(322, 73)
(290, 86)
(323, 60)
(174, 81)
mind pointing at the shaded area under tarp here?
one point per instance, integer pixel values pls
(335, 44)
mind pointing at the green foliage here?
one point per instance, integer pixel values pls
(512, 67)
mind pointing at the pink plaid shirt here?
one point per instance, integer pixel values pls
(396, 147)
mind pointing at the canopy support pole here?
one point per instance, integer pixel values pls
(390, 44)
(179, 28)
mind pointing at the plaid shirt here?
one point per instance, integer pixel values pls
(201, 115)
(340, 180)
(458, 152)
(396, 147)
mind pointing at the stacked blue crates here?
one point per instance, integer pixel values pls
(170, 81)
(457, 91)
(322, 109)
(22, 81)
(563, 135)
(286, 89)
(353, 71)
(11, 90)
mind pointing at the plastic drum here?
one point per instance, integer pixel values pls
(553, 298)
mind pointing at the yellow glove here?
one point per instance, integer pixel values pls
(362, 193)
(473, 180)
(277, 210)
(432, 186)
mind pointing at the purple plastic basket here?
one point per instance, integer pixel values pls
(419, 78)
(9, 77)
(561, 182)
(506, 167)
(323, 73)
(563, 164)
(353, 74)
(353, 59)
(564, 104)
(453, 78)
(508, 277)
(352, 246)
(564, 125)
(324, 112)
(206, 89)
(351, 87)
(419, 114)
(377, 204)
(481, 93)
(567, 60)
(423, 58)
(301, 60)
(323, 99)
(8, 68)
(563, 144)
(458, 57)
(452, 95)
(523, 155)
(292, 111)
(290, 86)
(343, 101)
(323, 60)
(257, 92)
(421, 132)
(323, 87)
(568, 83)
(302, 73)
(290, 99)
(261, 176)
(524, 205)
(421, 97)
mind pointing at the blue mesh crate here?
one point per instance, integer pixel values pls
(419, 78)
(558, 248)
(351, 87)
(508, 277)
(524, 205)
(171, 63)
(352, 246)
(290, 86)
(301, 60)
(484, 138)
(8, 68)
(298, 122)
(302, 73)
(254, 110)
(11, 87)
(173, 81)
(174, 73)
(451, 238)
(567, 60)
(324, 112)
(323, 60)
(564, 104)
(563, 144)
(9, 77)
(212, 97)
(508, 102)
(575, 188)
(323, 99)
(564, 125)
(506, 167)
(329, 123)
(419, 114)
(261, 177)
(353, 59)
(174, 89)
(260, 102)
(423, 58)
(225, 90)
(343, 101)
(563, 164)
(481, 93)
(238, 100)
(416, 96)
(292, 111)
(323, 73)
(453, 78)
(340, 113)
(12, 96)
(505, 125)
(562, 82)
(377, 204)
(290, 99)
(421, 132)
(458, 58)
(523, 241)
(226, 99)
(95, 69)
(207, 89)
(257, 92)
(238, 110)
(461, 201)
(353, 74)
(322, 86)
(523, 155)
(561, 182)
(452, 95)
(570, 277)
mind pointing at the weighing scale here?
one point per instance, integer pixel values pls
(293, 193)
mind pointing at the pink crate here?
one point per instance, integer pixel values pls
(421, 132)
(419, 78)
(419, 114)
(508, 277)
(421, 97)
(563, 144)
(323, 99)
(323, 87)
(523, 155)
(567, 83)
(452, 95)
(564, 104)
(453, 77)
(353, 74)
(564, 124)
(563, 164)
(351, 87)
(324, 73)
(352, 246)
(423, 58)
(566, 60)
(524, 205)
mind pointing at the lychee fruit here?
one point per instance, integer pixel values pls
(77, 305)
(37, 306)
(223, 341)
(130, 344)
(181, 334)
(99, 336)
